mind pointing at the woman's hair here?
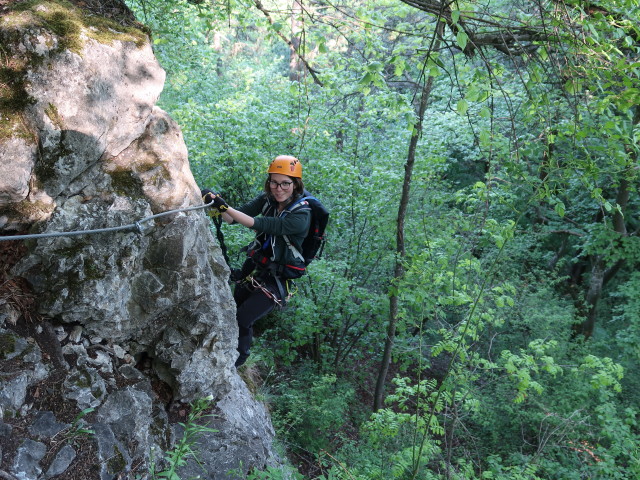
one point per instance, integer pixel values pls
(298, 186)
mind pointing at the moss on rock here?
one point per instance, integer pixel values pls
(7, 345)
(72, 24)
(116, 463)
(52, 112)
(92, 270)
(28, 209)
(126, 183)
(13, 96)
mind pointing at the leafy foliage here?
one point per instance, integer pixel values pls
(517, 332)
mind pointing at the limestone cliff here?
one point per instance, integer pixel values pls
(130, 325)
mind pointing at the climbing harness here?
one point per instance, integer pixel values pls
(259, 286)
(133, 227)
(285, 292)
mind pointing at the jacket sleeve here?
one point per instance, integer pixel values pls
(294, 223)
(253, 207)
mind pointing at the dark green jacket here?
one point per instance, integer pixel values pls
(271, 226)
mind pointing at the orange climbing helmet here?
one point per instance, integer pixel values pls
(286, 165)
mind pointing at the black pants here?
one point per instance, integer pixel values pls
(252, 304)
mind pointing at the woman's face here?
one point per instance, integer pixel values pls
(281, 187)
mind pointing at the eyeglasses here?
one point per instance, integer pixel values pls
(283, 185)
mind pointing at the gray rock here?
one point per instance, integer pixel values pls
(93, 151)
(11, 345)
(76, 349)
(76, 334)
(5, 429)
(46, 426)
(119, 352)
(16, 165)
(86, 387)
(13, 392)
(8, 313)
(13, 387)
(61, 462)
(131, 373)
(244, 433)
(94, 113)
(26, 465)
(128, 414)
(101, 360)
(113, 456)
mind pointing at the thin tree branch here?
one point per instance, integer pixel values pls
(288, 41)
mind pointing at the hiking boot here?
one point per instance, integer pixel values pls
(241, 359)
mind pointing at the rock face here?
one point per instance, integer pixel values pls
(130, 326)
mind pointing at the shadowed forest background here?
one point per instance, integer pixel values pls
(475, 313)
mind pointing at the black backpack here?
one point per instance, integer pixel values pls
(313, 244)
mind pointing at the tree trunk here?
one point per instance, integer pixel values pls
(378, 398)
(600, 275)
(296, 67)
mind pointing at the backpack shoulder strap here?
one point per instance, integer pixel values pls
(266, 207)
(298, 203)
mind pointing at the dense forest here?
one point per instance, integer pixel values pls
(475, 313)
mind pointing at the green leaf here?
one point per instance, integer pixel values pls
(573, 86)
(375, 67)
(410, 119)
(461, 39)
(484, 94)
(462, 106)
(560, 209)
(366, 79)
(544, 55)
(400, 67)
(472, 94)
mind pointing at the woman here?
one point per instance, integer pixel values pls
(281, 224)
